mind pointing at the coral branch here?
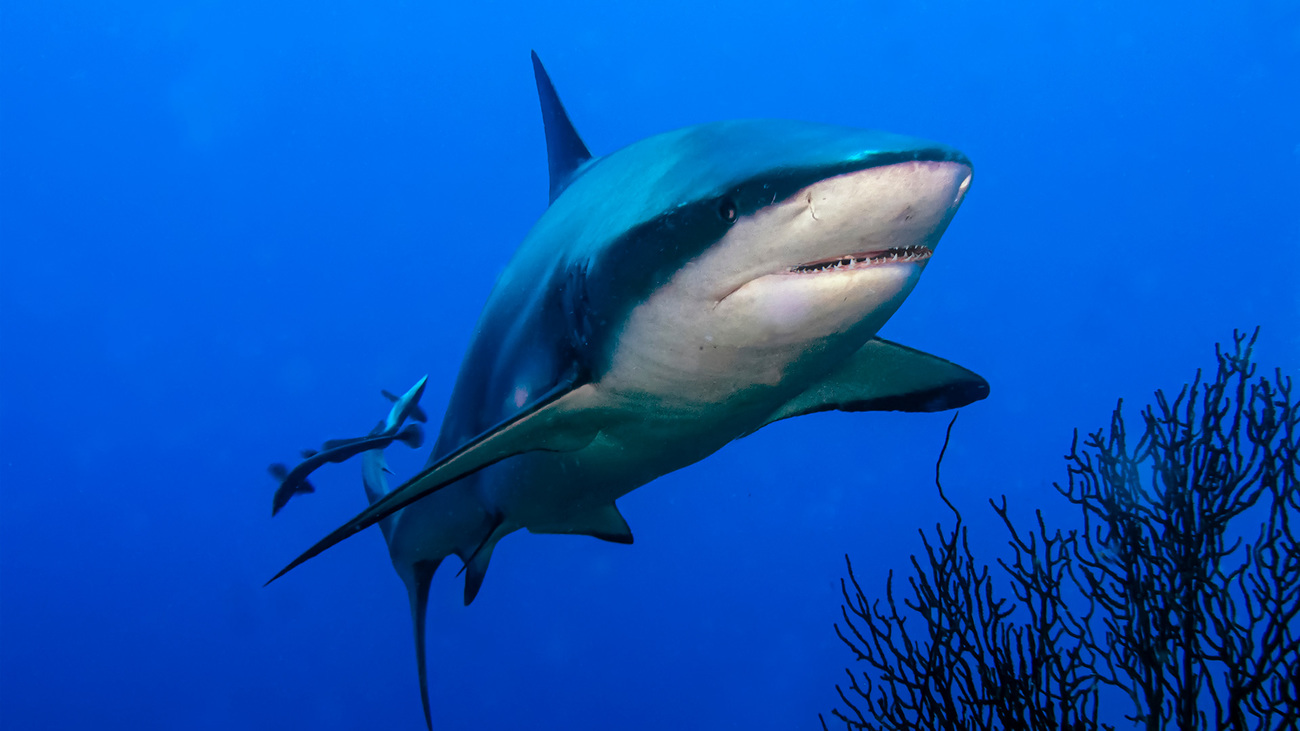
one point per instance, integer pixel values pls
(1179, 587)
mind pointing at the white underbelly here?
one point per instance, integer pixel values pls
(540, 489)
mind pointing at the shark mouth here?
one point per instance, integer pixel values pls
(865, 260)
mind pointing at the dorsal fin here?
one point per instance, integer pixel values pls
(565, 152)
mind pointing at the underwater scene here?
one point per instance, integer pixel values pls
(594, 365)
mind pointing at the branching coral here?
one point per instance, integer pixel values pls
(1178, 588)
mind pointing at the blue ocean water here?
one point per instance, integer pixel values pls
(224, 227)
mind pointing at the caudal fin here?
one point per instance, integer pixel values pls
(419, 594)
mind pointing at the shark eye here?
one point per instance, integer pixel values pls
(727, 210)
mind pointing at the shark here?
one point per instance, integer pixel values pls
(675, 295)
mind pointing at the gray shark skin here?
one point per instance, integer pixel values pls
(677, 294)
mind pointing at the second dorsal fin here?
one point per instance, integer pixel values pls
(565, 151)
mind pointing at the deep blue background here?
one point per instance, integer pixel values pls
(225, 226)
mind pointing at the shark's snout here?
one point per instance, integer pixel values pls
(888, 195)
(882, 215)
(842, 253)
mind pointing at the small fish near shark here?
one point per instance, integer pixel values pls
(294, 482)
(676, 295)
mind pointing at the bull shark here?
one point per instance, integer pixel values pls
(677, 294)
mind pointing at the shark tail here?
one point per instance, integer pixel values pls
(474, 555)
(417, 588)
(419, 594)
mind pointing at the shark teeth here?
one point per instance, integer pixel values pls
(865, 260)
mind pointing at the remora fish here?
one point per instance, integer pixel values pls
(294, 482)
(406, 406)
(677, 294)
(373, 466)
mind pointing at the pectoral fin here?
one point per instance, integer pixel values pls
(605, 523)
(885, 376)
(559, 421)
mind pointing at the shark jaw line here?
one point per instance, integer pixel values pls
(863, 268)
(864, 260)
